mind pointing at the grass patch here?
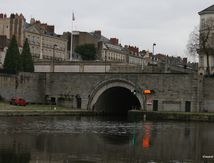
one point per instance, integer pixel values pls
(32, 107)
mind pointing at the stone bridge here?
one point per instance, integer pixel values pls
(107, 92)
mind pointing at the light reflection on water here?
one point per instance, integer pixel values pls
(99, 139)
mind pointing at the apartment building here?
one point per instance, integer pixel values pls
(206, 61)
(108, 49)
(44, 43)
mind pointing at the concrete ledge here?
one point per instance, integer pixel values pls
(178, 116)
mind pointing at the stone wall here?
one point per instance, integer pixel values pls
(7, 86)
(29, 86)
(171, 91)
(208, 91)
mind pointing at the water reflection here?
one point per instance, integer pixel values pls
(94, 139)
(147, 135)
(13, 157)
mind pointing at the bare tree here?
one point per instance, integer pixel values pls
(193, 43)
(201, 41)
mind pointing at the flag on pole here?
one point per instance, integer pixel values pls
(73, 18)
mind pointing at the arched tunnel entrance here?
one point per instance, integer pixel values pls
(117, 100)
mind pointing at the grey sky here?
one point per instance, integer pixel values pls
(168, 23)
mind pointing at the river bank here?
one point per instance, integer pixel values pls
(41, 110)
(177, 116)
(52, 110)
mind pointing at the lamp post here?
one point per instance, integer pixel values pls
(54, 47)
(153, 48)
(153, 54)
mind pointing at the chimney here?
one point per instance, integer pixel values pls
(114, 41)
(12, 16)
(184, 61)
(32, 21)
(97, 33)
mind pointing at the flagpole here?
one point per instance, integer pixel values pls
(72, 24)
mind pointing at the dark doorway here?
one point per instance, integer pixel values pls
(79, 101)
(53, 100)
(155, 105)
(187, 106)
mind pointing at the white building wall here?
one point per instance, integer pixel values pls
(96, 68)
(136, 60)
(42, 68)
(72, 68)
(5, 27)
(67, 68)
(42, 46)
(202, 57)
(2, 56)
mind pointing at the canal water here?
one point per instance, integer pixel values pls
(103, 140)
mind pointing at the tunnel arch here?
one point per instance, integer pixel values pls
(125, 86)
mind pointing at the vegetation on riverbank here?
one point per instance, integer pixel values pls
(30, 107)
(41, 110)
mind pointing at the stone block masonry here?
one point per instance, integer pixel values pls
(29, 86)
(173, 92)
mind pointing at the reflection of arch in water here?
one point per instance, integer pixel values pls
(115, 139)
(120, 89)
(11, 155)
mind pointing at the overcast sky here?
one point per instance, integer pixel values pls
(168, 23)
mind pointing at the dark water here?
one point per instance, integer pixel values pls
(103, 140)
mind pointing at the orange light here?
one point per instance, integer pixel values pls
(148, 91)
(146, 141)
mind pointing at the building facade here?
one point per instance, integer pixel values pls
(13, 25)
(44, 43)
(108, 50)
(206, 62)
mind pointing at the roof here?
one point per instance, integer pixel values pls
(209, 10)
(102, 38)
(113, 47)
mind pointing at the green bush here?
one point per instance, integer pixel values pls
(87, 51)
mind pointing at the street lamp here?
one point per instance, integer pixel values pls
(153, 51)
(153, 48)
(54, 47)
